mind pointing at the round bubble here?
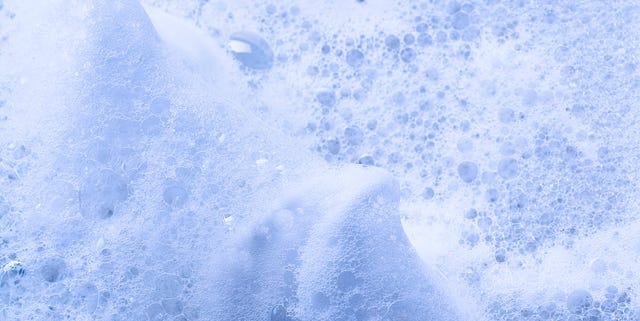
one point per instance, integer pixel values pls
(326, 98)
(392, 42)
(579, 301)
(468, 171)
(251, 50)
(355, 58)
(52, 269)
(508, 168)
(460, 21)
(407, 55)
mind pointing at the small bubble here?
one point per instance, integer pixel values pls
(52, 269)
(579, 301)
(392, 42)
(355, 58)
(468, 171)
(251, 50)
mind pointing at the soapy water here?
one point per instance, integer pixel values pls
(359, 160)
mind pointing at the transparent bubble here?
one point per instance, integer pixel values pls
(354, 135)
(346, 281)
(172, 306)
(460, 21)
(407, 55)
(320, 301)
(355, 58)
(251, 50)
(471, 214)
(326, 98)
(366, 160)
(579, 301)
(409, 39)
(278, 313)
(392, 42)
(168, 285)
(428, 193)
(175, 195)
(101, 194)
(506, 115)
(53, 269)
(333, 146)
(468, 171)
(508, 168)
(425, 40)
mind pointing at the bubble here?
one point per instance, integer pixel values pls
(407, 55)
(403, 310)
(174, 195)
(491, 195)
(460, 21)
(508, 168)
(346, 281)
(425, 40)
(251, 50)
(468, 171)
(320, 301)
(53, 269)
(89, 296)
(392, 42)
(333, 146)
(326, 98)
(409, 39)
(465, 145)
(428, 193)
(278, 313)
(506, 115)
(366, 160)
(172, 306)
(579, 301)
(471, 214)
(13, 269)
(168, 285)
(500, 255)
(155, 312)
(354, 135)
(101, 193)
(355, 58)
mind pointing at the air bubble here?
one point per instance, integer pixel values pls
(579, 301)
(172, 306)
(320, 301)
(425, 40)
(101, 193)
(409, 39)
(508, 168)
(333, 146)
(53, 269)
(471, 214)
(428, 193)
(326, 98)
(506, 115)
(468, 171)
(354, 135)
(174, 195)
(278, 313)
(407, 55)
(346, 281)
(355, 58)
(251, 50)
(168, 286)
(460, 21)
(392, 42)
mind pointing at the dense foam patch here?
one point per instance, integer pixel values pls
(145, 175)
